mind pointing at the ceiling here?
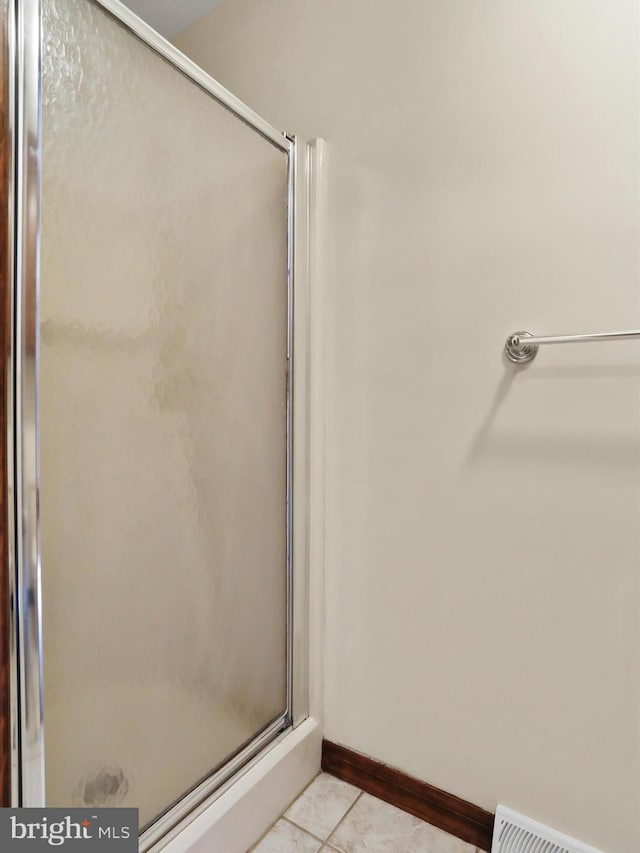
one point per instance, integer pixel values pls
(170, 17)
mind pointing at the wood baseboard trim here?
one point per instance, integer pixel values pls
(458, 817)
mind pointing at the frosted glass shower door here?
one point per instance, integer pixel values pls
(163, 421)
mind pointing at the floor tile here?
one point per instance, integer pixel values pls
(322, 806)
(287, 838)
(373, 826)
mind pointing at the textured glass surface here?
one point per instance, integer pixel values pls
(163, 421)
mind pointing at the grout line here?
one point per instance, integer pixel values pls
(327, 841)
(282, 817)
(262, 837)
(308, 831)
(286, 820)
(342, 819)
(297, 826)
(289, 820)
(295, 799)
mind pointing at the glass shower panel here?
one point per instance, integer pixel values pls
(163, 365)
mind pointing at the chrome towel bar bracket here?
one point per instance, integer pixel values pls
(522, 347)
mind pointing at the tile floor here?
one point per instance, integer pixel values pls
(335, 817)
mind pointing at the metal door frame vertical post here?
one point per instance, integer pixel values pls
(27, 600)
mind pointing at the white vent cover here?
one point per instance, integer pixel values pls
(515, 833)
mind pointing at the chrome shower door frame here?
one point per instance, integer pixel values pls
(28, 744)
(26, 616)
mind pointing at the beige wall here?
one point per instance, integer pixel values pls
(483, 552)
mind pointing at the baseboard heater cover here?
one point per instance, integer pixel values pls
(515, 833)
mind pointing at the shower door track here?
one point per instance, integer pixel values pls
(202, 792)
(27, 751)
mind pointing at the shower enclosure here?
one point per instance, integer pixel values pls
(150, 329)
